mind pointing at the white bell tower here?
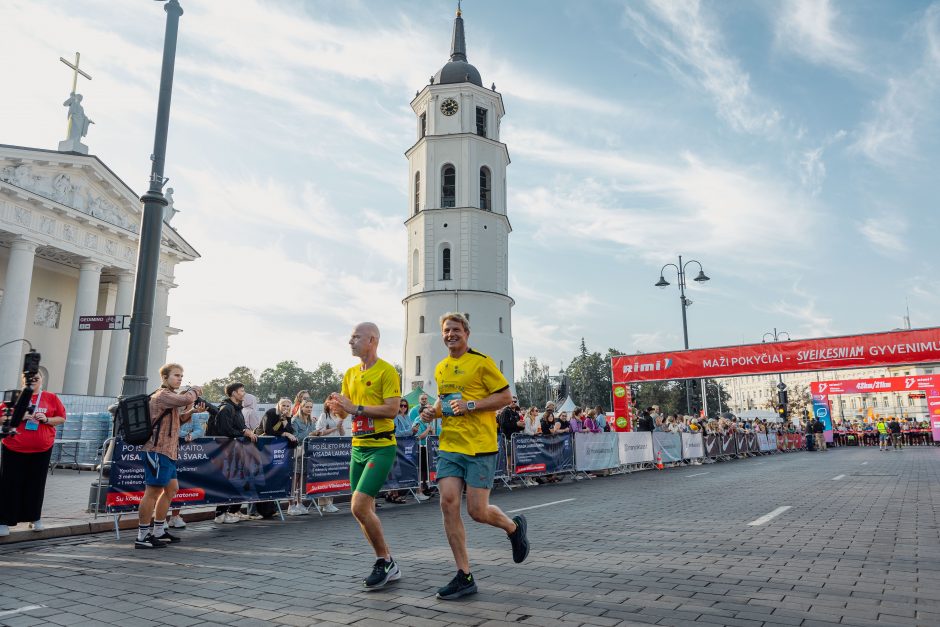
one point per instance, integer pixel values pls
(458, 231)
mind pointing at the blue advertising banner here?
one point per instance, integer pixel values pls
(404, 472)
(668, 445)
(502, 459)
(210, 471)
(542, 454)
(326, 465)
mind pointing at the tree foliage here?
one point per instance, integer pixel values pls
(214, 390)
(588, 377)
(532, 390)
(284, 379)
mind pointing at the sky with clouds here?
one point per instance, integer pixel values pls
(791, 147)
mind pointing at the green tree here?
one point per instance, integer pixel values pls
(284, 379)
(532, 390)
(589, 378)
(324, 380)
(214, 390)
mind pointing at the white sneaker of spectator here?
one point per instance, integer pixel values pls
(243, 516)
(294, 509)
(37, 526)
(228, 518)
(177, 522)
(330, 509)
(220, 518)
(421, 497)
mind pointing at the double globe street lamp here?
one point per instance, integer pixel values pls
(685, 302)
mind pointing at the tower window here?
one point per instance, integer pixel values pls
(422, 125)
(421, 324)
(417, 192)
(500, 365)
(448, 186)
(485, 192)
(414, 267)
(500, 324)
(417, 365)
(481, 121)
(445, 264)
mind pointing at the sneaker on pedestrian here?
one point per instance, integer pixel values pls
(230, 519)
(255, 516)
(177, 522)
(460, 586)
(421, 497)
(243, 516)
(37, 525)
(149, 542)
(220, 518)
(519, 540)
(383, 572)
(168, 538)
(330, 509)
(4, 531)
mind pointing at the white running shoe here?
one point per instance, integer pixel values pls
(421, 498)
(242, 516)
(37, 526)
(230, 518)
(330, 509)
(4, 531)
(220, 518)
(292, 509)
(177, 522)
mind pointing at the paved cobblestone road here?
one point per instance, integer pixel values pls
(667, 548)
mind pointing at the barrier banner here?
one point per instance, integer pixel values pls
(210, 472)
(751, 443)
(621, 420)
(913, 346)
(727, 444)
(326, 465)
(502, 459)
(404, 473)
(542, 454)
(434, 445)
(767, 441)
(595, 451)
(712, 445)
(794, 441)
(669, 445)
(740, 443)
(693, 446)
(781, 441)
(635, 448)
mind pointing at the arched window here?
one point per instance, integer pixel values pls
(485, 189)
(445, 264)
(421, 324)
(414, 267)
(417, 192)
(500, 324)
(448, 186)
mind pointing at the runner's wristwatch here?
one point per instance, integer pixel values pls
(471, 405)
(359, 410)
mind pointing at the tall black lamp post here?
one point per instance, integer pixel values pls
(685, 302)
(776, 336)
(151, 226)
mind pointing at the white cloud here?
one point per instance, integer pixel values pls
(692, 46)
(808, 28)
(802, 308)
(886, 233)
(890, 137)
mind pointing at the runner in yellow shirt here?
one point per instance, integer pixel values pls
(371, 391)
(470, 389)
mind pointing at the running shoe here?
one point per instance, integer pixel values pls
(37, 525)
(177, 522)
(230, 519)
(383, 572)
(150, 542)
(519, 540)
(168, 538)
(421, 497)
(461, 585)
(330, 509)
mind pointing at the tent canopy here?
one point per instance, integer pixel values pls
(413, 396)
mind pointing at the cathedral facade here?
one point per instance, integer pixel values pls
(458, 229)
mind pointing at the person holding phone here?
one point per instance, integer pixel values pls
(24, 463)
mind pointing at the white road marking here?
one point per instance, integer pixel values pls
(26, 608)
(769, 516)
(522, 509)
(757, 463)
(863, 463)
(836, 478)
(697, 474)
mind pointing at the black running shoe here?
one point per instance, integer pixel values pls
(520, 543)
(150, 542)
(168, 538)
(383, 572)
(461, 585)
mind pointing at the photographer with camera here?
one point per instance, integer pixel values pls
(24, 461)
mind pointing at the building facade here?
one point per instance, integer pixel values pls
(69, 231)
(458, 228)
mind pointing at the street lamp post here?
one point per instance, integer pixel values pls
(685, 302)
(781, 386)
(151, 226)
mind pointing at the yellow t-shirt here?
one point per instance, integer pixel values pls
(372, 387)
(473, 376)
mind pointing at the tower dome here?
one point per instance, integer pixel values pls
(458, 70)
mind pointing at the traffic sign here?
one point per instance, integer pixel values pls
(103, 323)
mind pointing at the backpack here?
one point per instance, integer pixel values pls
(134, 419)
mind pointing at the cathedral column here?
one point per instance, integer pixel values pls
(117, 352)
(78, 362)
(14, 310)
(158, 336)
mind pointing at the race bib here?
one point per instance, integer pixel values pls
(362, 425)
